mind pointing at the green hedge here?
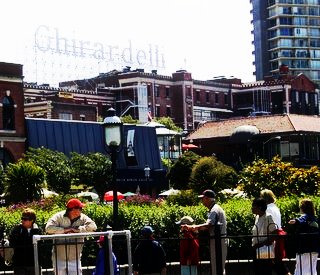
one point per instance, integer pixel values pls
(162, 218)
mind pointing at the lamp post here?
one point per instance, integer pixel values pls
(113, 137)
(270, 139)
(147, 175)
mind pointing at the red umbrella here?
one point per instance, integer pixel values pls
(108, 196)
(189, 146)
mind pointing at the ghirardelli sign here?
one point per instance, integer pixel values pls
(50, 40)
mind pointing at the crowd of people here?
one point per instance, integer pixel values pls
(149, 256)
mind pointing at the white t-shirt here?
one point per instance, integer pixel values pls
(274, 211)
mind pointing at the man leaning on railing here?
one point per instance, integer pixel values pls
(66, 254)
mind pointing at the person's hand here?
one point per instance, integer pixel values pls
(293, 221)
(71, 230)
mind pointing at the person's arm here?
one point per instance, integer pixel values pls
(53, 226)
(88, 224)
(195, 227)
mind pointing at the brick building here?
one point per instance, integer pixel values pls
(12, 126)
(187, 101)
(190, 102)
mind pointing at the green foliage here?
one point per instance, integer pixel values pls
(184, 198)
(166, 162)
(168, 123)
(179, 174)
(128, 119)
(140, 199)
(305, 181)
(93, 170)
(280, 177)
(23, 182)
(162, 217)
(56, 166)
(240, 221)
(209, 173)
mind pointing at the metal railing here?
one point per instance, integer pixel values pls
(241, 257)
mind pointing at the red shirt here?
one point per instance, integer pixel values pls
(189, 249)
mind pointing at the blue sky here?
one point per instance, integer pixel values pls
(207, 38)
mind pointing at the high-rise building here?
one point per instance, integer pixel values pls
(286, 32)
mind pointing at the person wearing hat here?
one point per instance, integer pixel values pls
(101, 259)
(189, 248)
(149, 257)
(216, 221)
(20, 240)
(66, 257)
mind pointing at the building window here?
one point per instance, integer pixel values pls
(197, 96)
(225, 99)
(216, 98)
(65, 116)
(207, 97)
(188, 91)
(168, 111)
(157, 110)
(157, 90)
(167, 92)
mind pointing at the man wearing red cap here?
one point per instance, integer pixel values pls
(216, 221)
(66, 257)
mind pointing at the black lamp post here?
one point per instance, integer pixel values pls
(113, 138)
(147, 175)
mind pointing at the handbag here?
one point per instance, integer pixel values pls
(265, 252)
(6, 252)
(280, 251)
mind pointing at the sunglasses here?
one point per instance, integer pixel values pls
(26, 219)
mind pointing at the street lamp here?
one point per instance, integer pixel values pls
(113, 137)
(147, 175)
(270, 139)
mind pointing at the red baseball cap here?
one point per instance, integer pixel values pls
(72, 203)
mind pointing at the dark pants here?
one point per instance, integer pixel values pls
(265, 267)
(24, 270)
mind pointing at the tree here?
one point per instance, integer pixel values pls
(168, 123)
(179, 174)
(56, 166)
(209, 173)
(23, 181)
(93, 169)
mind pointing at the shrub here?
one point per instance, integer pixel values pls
(56, 166)
(23, 182)
(162, 218)
(280, 177)
(179, 174)
(184, 198)
(209, 173)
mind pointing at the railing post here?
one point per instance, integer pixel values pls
(218, 249)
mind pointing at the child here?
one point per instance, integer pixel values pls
(100, 265)
(189, 248)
